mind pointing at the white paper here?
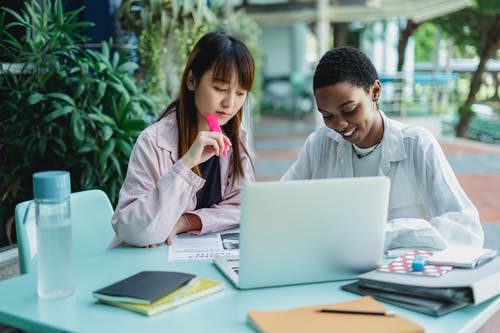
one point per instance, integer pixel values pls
(187, 247)
(461, 256)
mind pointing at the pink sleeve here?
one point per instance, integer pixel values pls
(150, 202)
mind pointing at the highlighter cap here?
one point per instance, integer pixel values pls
(213, 124)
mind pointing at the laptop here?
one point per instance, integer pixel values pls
(306, 231)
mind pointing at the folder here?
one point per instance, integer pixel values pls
(310, 319)
(473, 286)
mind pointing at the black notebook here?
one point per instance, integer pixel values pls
(145, 287)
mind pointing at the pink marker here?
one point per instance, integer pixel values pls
(213, 124)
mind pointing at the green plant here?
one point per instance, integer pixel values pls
(66, 107)
(169, 29)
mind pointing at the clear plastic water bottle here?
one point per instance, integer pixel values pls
(52, 191)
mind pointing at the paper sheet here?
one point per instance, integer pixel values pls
(187, 247)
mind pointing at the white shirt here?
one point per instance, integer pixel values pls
(367, 164)
(427, 206)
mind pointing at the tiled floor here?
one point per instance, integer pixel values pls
(276, 143)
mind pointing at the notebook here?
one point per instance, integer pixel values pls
(310, 319)
(201, 288)
(145, 287)
(305, 231)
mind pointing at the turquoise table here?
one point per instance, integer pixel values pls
(223, 312)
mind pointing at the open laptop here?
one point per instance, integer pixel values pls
(308, 231)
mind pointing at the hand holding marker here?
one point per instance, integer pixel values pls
(214, 127)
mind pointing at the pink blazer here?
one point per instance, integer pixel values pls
(159, 188)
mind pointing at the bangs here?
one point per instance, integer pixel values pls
(234, 60)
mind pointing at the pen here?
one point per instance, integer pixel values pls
(361, 312)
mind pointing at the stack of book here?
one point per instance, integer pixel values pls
(434, 296)
(151, 292)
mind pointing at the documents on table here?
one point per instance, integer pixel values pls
(187, 247)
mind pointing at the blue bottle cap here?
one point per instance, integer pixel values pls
(51, 184)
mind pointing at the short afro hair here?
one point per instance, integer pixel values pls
(345, 63)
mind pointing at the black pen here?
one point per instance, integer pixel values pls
(361, 312)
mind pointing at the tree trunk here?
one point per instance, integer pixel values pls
(491, 45)
(404, 36)
(339, 34)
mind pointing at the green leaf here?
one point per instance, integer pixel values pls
(42, 145)
(59, 15)
(102, 118)
(124, 147)
(106, 132)
(106, 151)
(123, 93)
(130, 85)
(116, 59)
(127, 67)
(101, 90)
(79, 91)
(77, 126)
(16, 15)
(62, 97)
(59, 112)
(87, 147)
(116, 163)
(36, 98)
(134, 125)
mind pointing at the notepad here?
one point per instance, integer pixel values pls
(310, 319)
(203, 287)
(144, 287)
(458, 256)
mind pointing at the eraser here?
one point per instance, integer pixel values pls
(213, 124)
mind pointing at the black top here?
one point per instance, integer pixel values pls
(210, 193)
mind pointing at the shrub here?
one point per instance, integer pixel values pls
(64, 107)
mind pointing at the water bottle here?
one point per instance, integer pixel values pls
(52, 191)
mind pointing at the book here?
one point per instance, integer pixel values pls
(449, 292)
(145, 287)
(460, 256)
(428, 306)
(312, 319)
(203, 287)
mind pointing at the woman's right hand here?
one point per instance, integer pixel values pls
(206, 145)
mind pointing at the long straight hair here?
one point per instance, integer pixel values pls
(226, 55)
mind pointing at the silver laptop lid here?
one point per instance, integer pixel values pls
(311, 230)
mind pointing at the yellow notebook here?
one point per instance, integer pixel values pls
(310, 319)
(202, 288)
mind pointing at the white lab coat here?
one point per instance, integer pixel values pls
(427, 206)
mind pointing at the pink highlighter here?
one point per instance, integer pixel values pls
(213, 124)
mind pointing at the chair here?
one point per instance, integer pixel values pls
(91, 213)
